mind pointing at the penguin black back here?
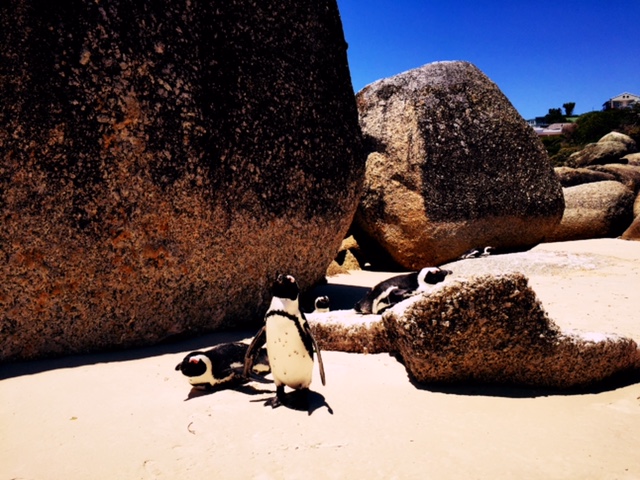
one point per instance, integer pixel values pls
(400, 287)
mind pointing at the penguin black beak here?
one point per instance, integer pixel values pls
(178, 366)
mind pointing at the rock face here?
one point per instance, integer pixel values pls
(595, 210)
(493, 330)
(348, 331)
(609, 149)
(451, 166)
(160, 162)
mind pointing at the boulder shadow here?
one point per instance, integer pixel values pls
(170, 345)
(619, 380)
(342, 297)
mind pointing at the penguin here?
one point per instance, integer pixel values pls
(220, 367)
(322, 304)
(477, 253)
(290, 343)
(396, 289)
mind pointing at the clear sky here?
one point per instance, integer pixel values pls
(541, 53)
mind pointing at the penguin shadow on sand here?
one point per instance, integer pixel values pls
(299, 400)
(245, 389)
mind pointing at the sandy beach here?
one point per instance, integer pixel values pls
(130, 415)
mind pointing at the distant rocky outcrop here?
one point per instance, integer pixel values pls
(570, 177)
(609, 149)
(632, 159)
(494, 330)
(349, 257)
(595, 210)
(628, 175)
(451, 166)
(633, 232)
(160, 162)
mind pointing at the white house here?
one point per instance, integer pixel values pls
(624, 100)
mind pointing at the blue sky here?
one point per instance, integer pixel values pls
(540, 53)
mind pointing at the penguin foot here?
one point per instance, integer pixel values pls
(278, 400)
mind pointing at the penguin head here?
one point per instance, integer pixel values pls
(432, 275)
(286, 287)
(322, 304)
(195, 364)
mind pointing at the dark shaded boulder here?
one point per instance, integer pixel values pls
(609, 149)
(493, 330)
(161, 161)
(451, 166)
(595, 210)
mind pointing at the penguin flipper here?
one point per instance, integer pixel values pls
(315, 347)
(254, 348)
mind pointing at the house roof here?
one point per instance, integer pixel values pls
(625, 95)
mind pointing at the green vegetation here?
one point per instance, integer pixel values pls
(589, 128)
(568, 108)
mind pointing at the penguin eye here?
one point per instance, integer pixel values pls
(194, 360)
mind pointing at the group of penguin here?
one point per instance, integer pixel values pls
(290, 345)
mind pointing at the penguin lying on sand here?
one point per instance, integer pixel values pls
(477, 253)
(221, 367)
(398, 288)
(290, 344)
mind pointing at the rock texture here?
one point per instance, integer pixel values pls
(570, 177)
(628, 175)
(632, 159)
(633, 232)
(609, 149)
(160, 162)
(493, 330)
(348, 331)
(595, 210)
(451, 166)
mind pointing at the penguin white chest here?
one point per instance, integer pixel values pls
(290, 362)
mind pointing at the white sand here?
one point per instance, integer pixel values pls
(129, 418)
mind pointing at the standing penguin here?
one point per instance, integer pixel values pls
(221, 366)
(290, 343)
(322, 304)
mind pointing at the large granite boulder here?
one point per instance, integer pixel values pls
(160, 162)
(493, 329)
(452, 165)
(595, 210)
(609, 149)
